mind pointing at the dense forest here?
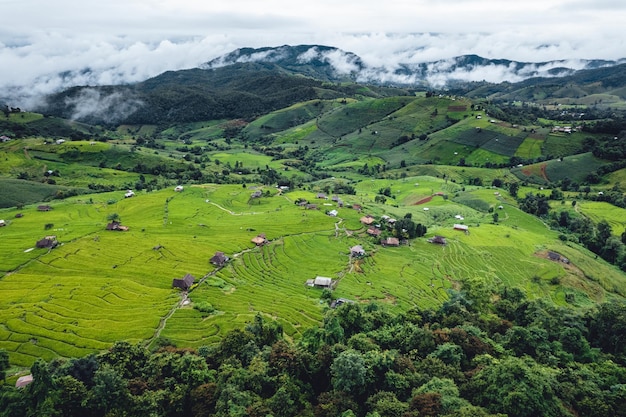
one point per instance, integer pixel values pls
(483, 353)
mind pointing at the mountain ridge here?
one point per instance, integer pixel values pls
(248, 82)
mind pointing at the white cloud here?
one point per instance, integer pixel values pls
(47, 46)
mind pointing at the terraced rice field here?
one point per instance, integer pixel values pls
(100, 286)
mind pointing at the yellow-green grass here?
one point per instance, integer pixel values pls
(530, 148)
(617, 177)
(297, 133)
(101, 286)
(22, 117)
(560, 144)
(353, 116)
(483, 156)
(574, 167)
(600, 210)
(285, 119)
(251, 160)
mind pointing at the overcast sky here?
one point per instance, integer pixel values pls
(130, 40)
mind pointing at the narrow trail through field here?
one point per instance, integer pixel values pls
(181, 303)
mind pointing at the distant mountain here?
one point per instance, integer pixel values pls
(250, 82)
(241, 90)
(333, 64)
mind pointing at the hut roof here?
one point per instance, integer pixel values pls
(23, 381)
(219, 258)
(185, 283)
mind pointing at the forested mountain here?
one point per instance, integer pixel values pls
(250, 82)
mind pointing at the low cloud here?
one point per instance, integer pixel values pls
(41, 63)
(90, 103)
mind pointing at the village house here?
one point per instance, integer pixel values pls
(557, 257)
(219, 259)
(373, 231)
(357, 251)
(183, 283)
(129, 193)
(44, 207)
(339, 301)
(333, 213)
(320, 282)
(461, 227)
(440, 240)
(259, 239)
(47, 242)
(322, 196)
(390, 241)
(116, 226)
(311, 206)
(23, 381)
(367, 220)
(357, 207)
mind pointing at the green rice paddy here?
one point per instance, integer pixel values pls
(100, 286)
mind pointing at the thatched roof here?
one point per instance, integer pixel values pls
(219, 259)
(438, 239)
(23, 381)
(47, 242)
(390, 241)
(185, 283)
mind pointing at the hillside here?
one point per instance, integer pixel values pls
(107, 277)
(538, 187)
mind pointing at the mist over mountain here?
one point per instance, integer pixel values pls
(333, 64)
(248, 82)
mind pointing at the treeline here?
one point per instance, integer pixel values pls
(598, 238)
(612, 148)
(482, 353)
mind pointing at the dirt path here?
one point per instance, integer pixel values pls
(185, 295)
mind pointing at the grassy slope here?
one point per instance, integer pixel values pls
(100, 286)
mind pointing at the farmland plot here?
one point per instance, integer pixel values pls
(100, 286)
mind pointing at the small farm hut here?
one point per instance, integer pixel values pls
(183, 283)
(367, 220)
(259, 239)
(116, 226)
(390, 241)
(219, 259)
(339, 301)
(44, 207)
(440, 240)
(461, 227)
(178, 188)
(23, 381)
(356, 251)
(48, 242)
(373, 231)
(320, 282)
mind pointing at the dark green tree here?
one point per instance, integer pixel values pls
(348, 372)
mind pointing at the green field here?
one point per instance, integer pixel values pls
(100, 286)
(599, 210)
